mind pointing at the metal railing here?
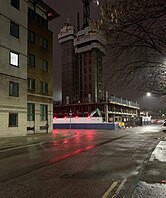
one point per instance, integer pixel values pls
(123, 101)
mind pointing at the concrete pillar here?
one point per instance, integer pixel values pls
(106, 112)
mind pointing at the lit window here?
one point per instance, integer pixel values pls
(31, 84)
(13, 119)
(30, 111)
(44, 87)
(14, 29)
(15, 3)
(13, 89)
(14, 59)
(43, 112)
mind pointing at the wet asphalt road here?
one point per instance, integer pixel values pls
(89, 164)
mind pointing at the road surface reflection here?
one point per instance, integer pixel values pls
(76, 152)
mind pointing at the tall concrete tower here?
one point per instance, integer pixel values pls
(89, 50)
(66, 39)
(82, 55)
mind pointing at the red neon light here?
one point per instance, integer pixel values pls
(49, 14)
(55, 118)
(65, 117)
(76, 117)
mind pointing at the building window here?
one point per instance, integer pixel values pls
(44, 65)
(13, 89)
(43, 112)
(44, 87)
(14, 59)
(31, 84)
(31, 60)
(13, 119)
(14, 29)
(32, 15)
(31, 36)
(43, 42)
(30, 111)
(15, 3)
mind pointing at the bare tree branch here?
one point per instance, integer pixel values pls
(136, 41)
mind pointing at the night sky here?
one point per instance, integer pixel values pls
(69, 9)
(66, 9)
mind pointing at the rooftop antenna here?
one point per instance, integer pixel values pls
(78, 21)
(67, 21)
(86, 12)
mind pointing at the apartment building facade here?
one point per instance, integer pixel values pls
(26, 88)
(82, 60)
(40, 68)
(13, 68)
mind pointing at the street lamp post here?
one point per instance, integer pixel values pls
(148, 94)
(70, 114)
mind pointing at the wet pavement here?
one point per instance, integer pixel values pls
(152, 181)
(14, 142)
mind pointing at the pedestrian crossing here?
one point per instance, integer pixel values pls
(114, 190)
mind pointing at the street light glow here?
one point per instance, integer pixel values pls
(97, 2)
(148, 94)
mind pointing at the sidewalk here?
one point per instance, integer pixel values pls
(11, 142)
(152, 182)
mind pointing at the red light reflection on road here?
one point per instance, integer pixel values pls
(79, 139)
(74, 137)
(57, 133)
(76, 152)
(90, 135)
(65, 141)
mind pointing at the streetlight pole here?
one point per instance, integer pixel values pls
(148, 94)
(70, 114)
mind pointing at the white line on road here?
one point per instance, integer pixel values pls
(19, 147)
(109, 190)
(112, 187)
(121, 186)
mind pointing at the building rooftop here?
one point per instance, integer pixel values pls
(51, 13)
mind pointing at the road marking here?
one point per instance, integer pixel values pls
(109, 189)
(18, 147)
(112, 187)
(121, 186)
